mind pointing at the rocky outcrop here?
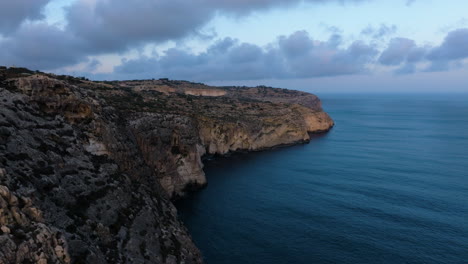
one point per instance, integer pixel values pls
(81, 200)
(170, 145)
(24, 238)
(291, 126)
(88, 169)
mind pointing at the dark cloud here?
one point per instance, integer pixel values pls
(14, 12)
(294, 56)
(243, 7)
(96, 27)
(114, 26)
(41, 46)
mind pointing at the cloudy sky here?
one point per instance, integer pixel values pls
(312, 45)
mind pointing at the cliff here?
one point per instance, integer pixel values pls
(88, 169)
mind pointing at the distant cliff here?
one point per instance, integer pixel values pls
(88, 169)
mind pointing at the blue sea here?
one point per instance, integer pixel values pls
(388, 184)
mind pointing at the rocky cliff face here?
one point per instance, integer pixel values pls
(88, 169)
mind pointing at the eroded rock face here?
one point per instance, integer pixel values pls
(288, 127)
(73, 203)
(171, 147)
(54, 96)
(88, 169)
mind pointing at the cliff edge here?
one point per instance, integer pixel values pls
(88, 169)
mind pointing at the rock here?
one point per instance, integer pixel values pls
(26, 201)
(60, 252)
(29, 236)
(3, 203)
(96, 148)
(93, 166)
(33, 213)
(42, 261)
(8, 250)
(19, 217)
(5, 229)
(13, 200)
(4, 192)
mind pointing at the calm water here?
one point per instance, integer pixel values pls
(389, 184)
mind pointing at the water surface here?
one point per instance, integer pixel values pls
(389, 184)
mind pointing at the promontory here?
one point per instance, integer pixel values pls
(88, 169)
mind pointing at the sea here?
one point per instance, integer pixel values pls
(388, 184)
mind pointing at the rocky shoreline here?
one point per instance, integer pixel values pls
(88, 169)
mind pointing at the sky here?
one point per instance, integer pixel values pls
(311, 45)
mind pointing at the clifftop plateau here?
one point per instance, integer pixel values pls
(88, 169)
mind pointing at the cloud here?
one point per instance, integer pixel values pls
(407, 68)
(293, 56)
(380, 32)
(401, 50)
(14, 12)
(243, 7)
(92, 65)
(454, 47)
(438, 66)
(41, 46)
(306, 57)
(406, 53)
(115, 26)
(96, 27)
(410, 2)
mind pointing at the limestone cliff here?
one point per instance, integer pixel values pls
(88, 169)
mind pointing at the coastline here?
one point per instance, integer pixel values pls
(100, 163)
